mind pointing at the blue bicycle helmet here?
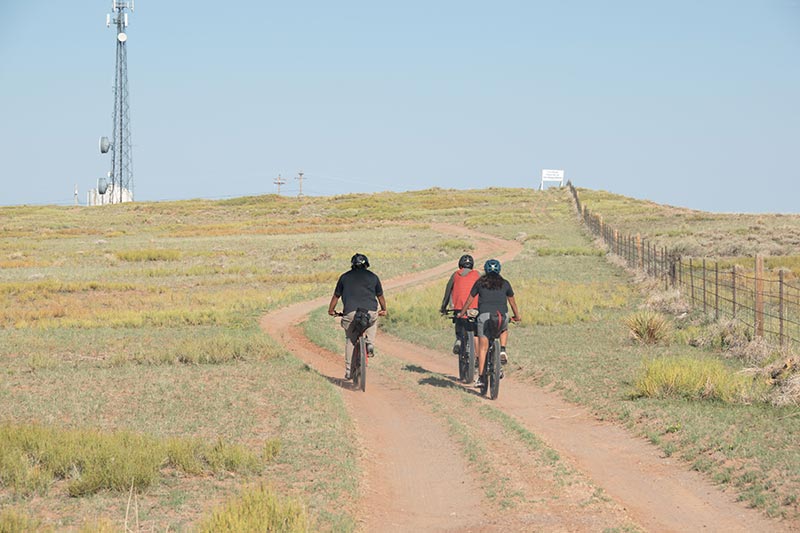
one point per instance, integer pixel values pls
(492, 266)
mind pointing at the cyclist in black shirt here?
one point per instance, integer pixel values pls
(358, 288)
(492, 291)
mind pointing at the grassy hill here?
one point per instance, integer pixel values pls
(134, 327)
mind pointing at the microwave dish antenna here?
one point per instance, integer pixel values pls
(121, 174)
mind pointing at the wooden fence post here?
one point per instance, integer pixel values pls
(716, 290)
(691, 278)
(616, 241)
(733, 289)
(780, 304)
(673, 274)
(639, 256)
(759, 296)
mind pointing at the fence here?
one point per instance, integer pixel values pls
(764, 301)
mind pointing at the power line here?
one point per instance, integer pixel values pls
(299, 178)
(279, 181)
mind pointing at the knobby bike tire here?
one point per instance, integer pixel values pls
(355, 366)
(486, 371)
(462, 358)
(462, 364)
(494, 377)
(362, 361)
(469, 347)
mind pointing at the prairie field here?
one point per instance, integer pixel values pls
(131, 331)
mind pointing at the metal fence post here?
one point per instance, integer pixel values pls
(691, 278)
(705, 305)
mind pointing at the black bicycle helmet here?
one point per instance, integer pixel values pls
(492, 266)
(466, 261)
(359, 261)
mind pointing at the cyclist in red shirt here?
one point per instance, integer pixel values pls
(457, 292)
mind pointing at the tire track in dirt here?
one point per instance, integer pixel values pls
(415, 479)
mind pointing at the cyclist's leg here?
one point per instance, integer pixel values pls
(371, 332)
(483, 348)
(350, 340)
(459, 325)
(504, 340)
(482, 341)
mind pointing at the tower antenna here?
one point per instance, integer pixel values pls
(121, 174)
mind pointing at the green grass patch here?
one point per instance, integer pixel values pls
(258, 509)
(575, 250)
(694, 378)
(139, 256)
(14, 521)
(33, 456)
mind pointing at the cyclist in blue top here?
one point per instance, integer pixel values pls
(493, 291)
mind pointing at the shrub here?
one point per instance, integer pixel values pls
(258, 509)
(788, 393)
(695, 379)
(648, 327)
(455, 245)
(671, 302)
(11, 521)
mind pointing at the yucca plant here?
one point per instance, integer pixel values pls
(648, 326)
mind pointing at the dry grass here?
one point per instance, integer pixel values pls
(33, 456)
(258, 509)
(696, 379)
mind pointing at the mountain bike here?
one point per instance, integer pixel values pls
(466, 351)
(493, 369)
(358, 362)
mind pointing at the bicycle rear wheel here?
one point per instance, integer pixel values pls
(362, 363)
(494, 374)
(355, 366)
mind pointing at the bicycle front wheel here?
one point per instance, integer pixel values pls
(469, 355)
(494, 375)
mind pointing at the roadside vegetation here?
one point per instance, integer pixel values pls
(643, 357)
(142, 320)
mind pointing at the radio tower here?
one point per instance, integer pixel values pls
(121, 174)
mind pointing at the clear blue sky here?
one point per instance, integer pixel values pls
(691, 103)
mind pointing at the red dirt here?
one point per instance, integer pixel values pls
(416, 478)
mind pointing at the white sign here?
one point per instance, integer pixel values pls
(551, 176)
(548, 174)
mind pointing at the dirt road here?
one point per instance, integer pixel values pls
(417, 478)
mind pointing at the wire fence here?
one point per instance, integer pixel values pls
(763, 300)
